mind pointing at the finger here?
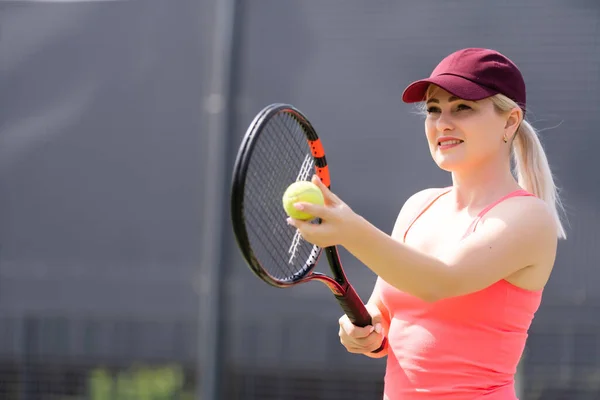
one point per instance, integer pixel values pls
(355, 350)
(349, 341)
(377, 344)
(378, 328)
(315, 210)
(365, 341)
(317, 181)
(356, 332)
(299, 224)
(370, 343)
(373, 344)
(304, 228)
(329, 196)
(376, 317)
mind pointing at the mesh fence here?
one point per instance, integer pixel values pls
(102, 134)
(94, 359)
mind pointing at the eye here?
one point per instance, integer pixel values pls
(462, 107)
(432, 109)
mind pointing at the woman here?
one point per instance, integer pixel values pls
(462, 274)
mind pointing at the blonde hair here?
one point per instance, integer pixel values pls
(530, 164)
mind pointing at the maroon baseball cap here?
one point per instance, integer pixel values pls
(472, 74)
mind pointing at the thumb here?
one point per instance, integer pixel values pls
(356, 331)
(376, 317)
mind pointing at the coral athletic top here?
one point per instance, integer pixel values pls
(461, 348)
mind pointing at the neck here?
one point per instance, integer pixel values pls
(483, 184)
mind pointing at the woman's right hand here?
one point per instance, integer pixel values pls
(362, 340)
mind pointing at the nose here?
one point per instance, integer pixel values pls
(444, 122)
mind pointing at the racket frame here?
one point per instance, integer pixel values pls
(339, 285)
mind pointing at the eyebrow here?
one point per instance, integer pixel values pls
(451, 99)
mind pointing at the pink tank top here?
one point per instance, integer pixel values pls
(461, 348)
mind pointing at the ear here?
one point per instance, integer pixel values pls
(513, 120)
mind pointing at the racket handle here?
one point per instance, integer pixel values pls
(356, 311)
(354, 307)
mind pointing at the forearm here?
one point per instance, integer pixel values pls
(402, 267)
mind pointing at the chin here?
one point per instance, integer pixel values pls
(450, 164)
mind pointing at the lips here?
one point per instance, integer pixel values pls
(449, 142)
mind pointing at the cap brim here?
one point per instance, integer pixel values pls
(456, 85)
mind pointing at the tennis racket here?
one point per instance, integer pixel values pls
(281, 147)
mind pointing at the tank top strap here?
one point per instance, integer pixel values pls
(516, 193)
(428, 203)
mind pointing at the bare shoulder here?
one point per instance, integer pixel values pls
(420, 197)
(525, 225)
(523, 213)
(519, 238)
(413, 205)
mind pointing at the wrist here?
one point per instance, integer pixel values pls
(354, 230)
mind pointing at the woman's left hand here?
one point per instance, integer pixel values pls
(336, 216)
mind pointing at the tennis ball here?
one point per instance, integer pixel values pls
(302, 191)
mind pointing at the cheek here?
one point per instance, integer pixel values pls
(430, 132)
(483, 144)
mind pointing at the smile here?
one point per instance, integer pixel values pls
(446, 144)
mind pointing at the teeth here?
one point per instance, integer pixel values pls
(450, 142)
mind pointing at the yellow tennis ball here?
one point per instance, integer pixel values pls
(302, 191)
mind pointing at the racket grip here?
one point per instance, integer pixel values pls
(354, 307)
(356, 311)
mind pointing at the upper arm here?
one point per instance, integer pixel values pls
(515, 235)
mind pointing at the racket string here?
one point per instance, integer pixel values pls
(280, 158)
(260, 225)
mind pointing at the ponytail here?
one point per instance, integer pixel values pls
(530, 164)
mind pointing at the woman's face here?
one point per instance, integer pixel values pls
(465, 134)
